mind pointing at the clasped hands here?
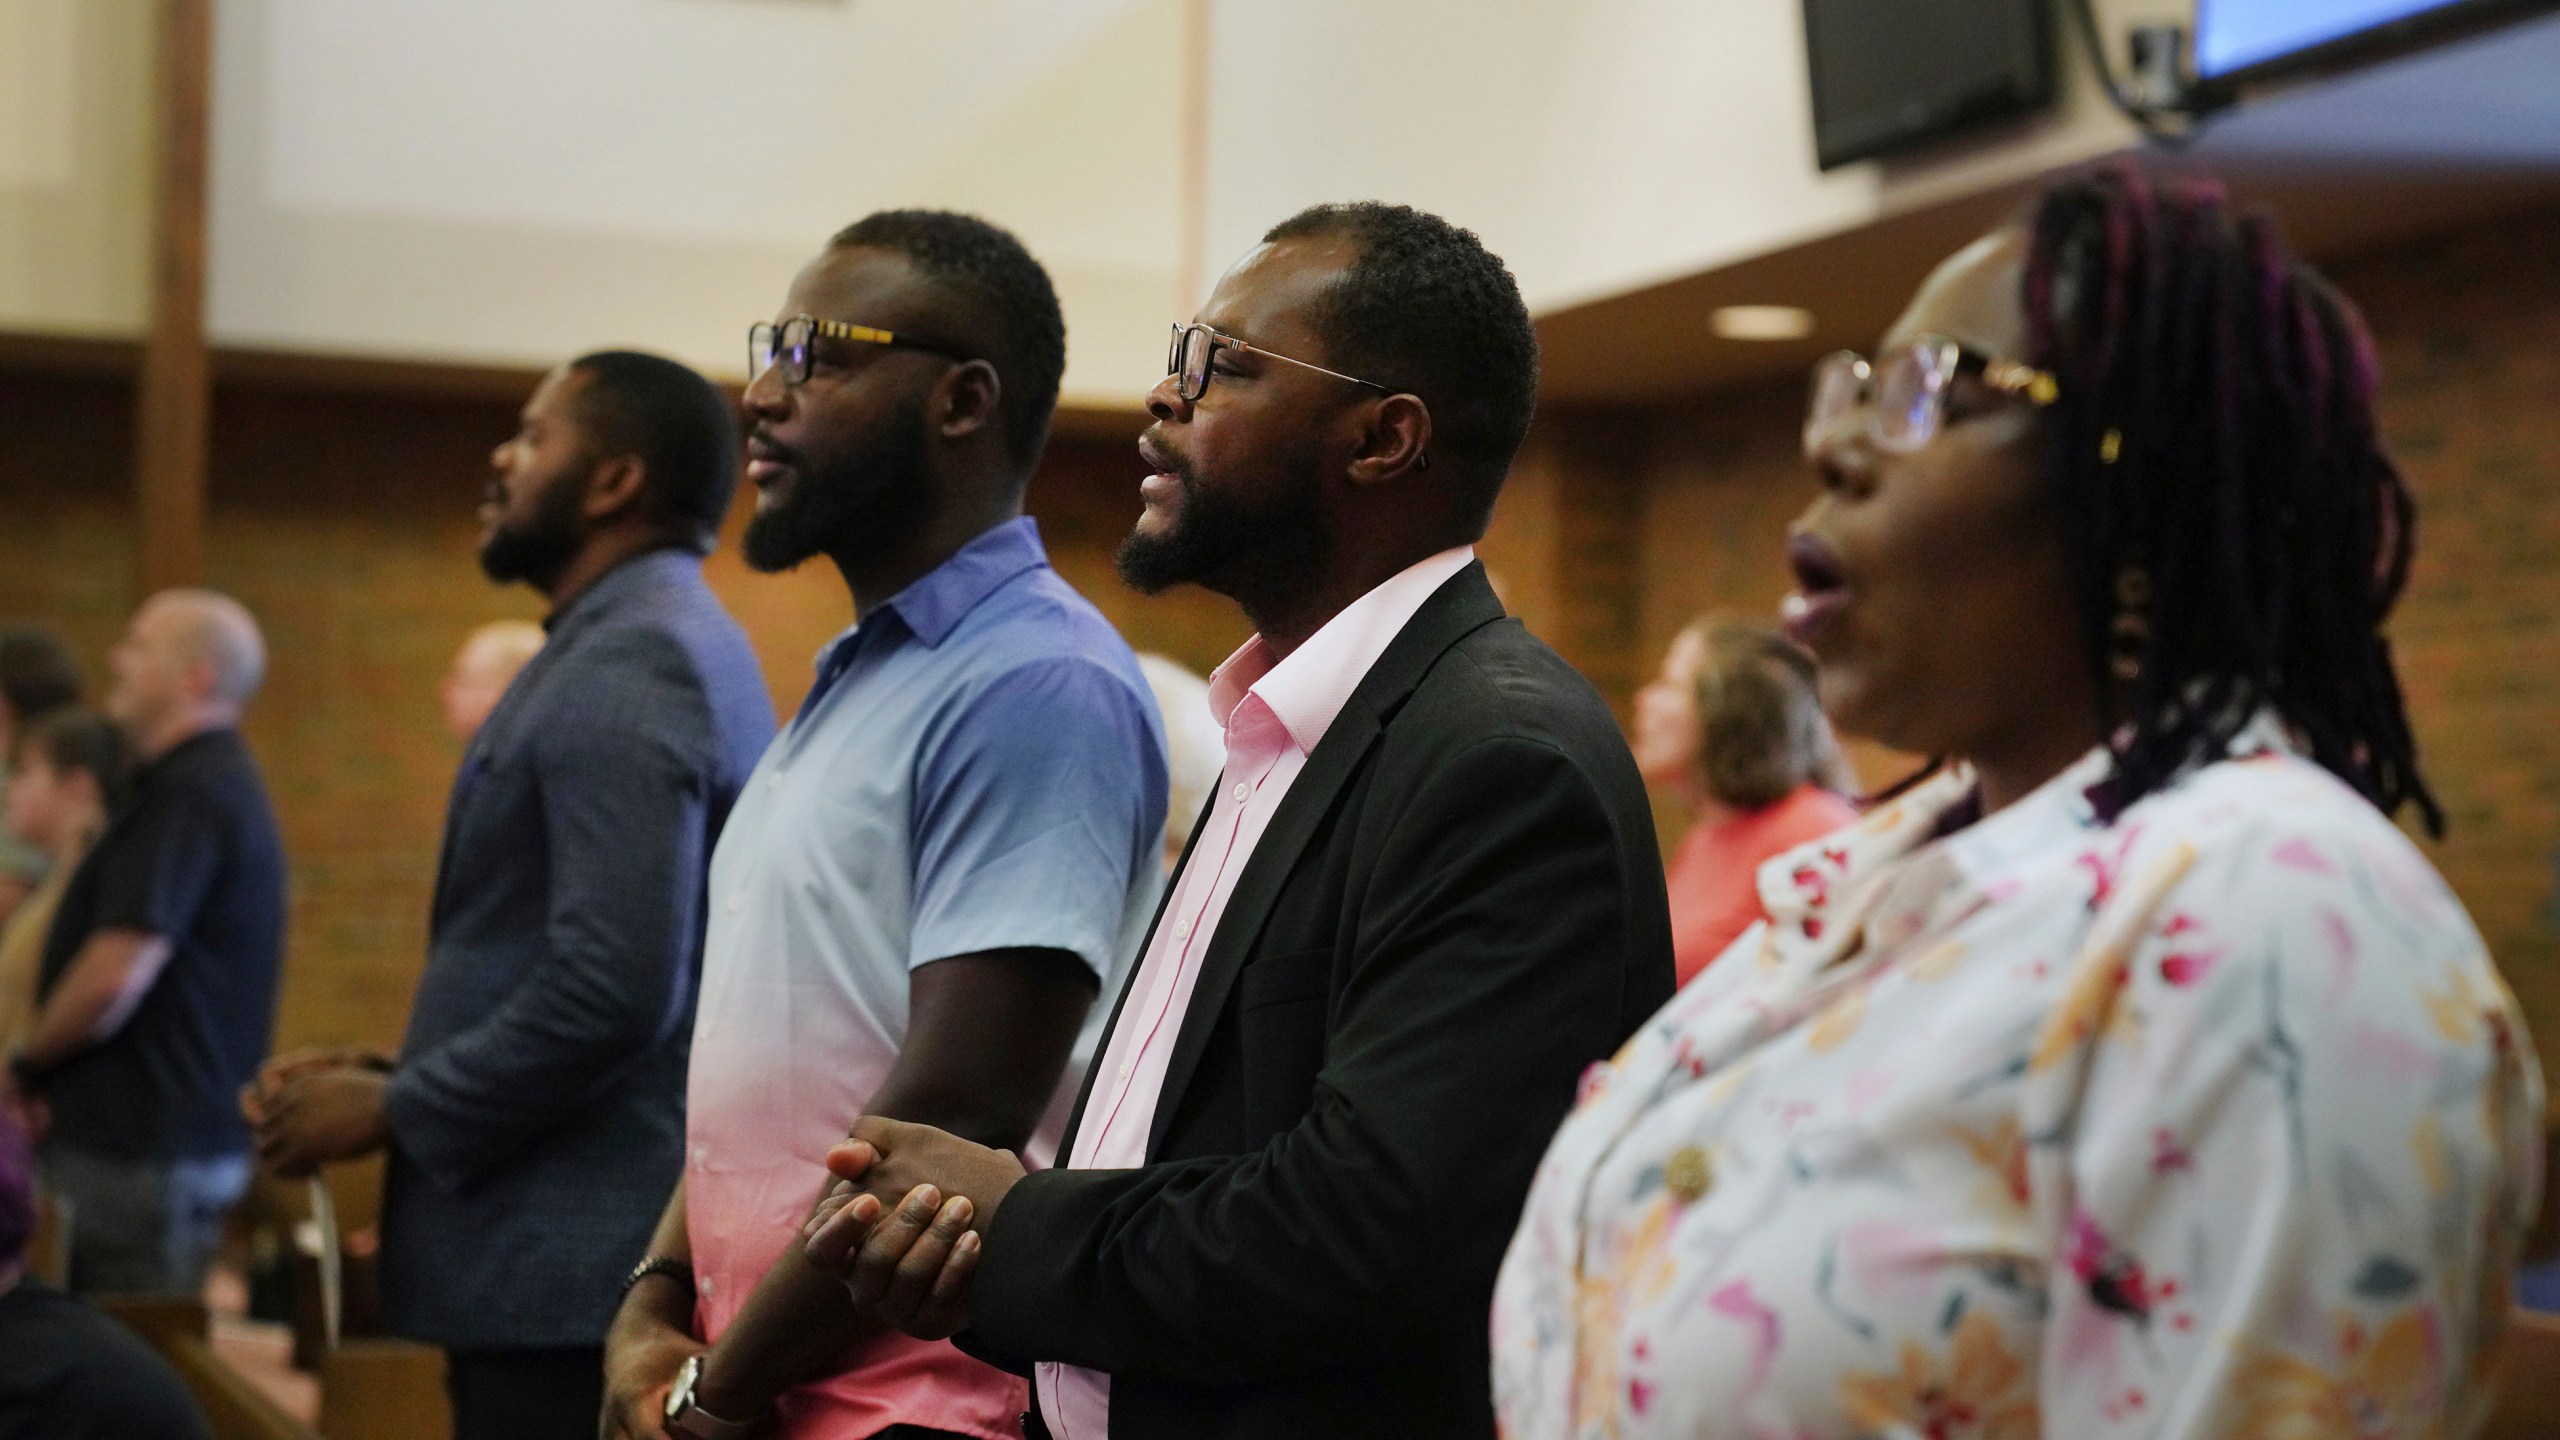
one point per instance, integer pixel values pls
(901, 1226)
(315, 1106)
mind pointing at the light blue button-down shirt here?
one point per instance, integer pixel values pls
(979, 767)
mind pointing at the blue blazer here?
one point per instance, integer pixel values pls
(537, 1109)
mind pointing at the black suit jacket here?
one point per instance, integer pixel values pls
(1456, 909)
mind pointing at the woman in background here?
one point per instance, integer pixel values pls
(37, 677)
(2132, 1075)
(66, 778)
(1733, 726)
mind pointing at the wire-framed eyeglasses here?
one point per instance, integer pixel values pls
(1904, 390)
(1196, 345)
(793, 344)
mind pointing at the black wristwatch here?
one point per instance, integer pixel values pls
(667, 1265)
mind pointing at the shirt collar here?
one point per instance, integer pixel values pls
(933, 606)
(203, 742)
(1309, 688)
(1809, 891)
(636, 573)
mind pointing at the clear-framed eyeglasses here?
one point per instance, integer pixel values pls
(1904, 390)
(793, 344)
(1195, 346)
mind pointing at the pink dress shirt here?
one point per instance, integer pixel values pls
(1273, 714)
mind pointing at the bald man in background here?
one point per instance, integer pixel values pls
(482, 670)
(157, 995)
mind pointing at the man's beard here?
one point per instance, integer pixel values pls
(854, 510)
(538, 548)
(1215, 538)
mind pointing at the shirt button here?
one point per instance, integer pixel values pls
(1242, 792)
(773, 782)
(704, 1285)
(1182, 929)
(737, 903)
(701, 1154)
(1125, 1070)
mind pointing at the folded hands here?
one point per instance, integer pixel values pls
(902, 1227)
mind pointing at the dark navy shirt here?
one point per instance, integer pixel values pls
(196, 860)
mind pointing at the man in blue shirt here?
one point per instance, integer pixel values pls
(535, 1115)
(935, 869)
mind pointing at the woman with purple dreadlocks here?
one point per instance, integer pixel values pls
(2128, 1073)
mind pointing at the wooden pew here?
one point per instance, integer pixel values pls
(384, 1390)
(372, 1386)
(179, 1329)
(49, 1245)
(2528, 1405)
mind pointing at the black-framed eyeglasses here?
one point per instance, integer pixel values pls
(1196, 345)
(1904, 390)
(793, 344)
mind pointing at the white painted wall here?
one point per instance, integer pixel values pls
(1598, 145)
(504, 181)
(511, 180)
(75, 166)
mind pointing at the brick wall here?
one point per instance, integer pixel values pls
(2470, 336)
(346, 522)
(2469, 326)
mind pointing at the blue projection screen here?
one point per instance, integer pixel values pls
(2233, 35)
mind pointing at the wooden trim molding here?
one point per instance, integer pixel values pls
(173, 398)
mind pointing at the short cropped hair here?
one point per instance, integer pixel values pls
(220, 633)
(71, 738)
(1426, 308)
(683, 428)
(988, 271)
(1761, 730)
(37, 672)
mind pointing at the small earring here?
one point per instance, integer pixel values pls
(2129, 636)
(1422, 461)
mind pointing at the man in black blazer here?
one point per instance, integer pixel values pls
(1426, 898)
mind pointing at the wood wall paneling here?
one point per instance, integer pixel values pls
(173, 404)
(175, 398)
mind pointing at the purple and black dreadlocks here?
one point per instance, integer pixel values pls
(2215, 430)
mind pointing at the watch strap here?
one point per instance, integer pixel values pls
(678, 1270)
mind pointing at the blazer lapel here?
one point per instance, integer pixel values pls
(1462, 605)
(499, 727)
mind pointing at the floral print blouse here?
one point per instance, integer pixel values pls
(2215, 1121)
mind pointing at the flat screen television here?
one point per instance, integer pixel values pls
(1891, 74)
(2237, 41)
